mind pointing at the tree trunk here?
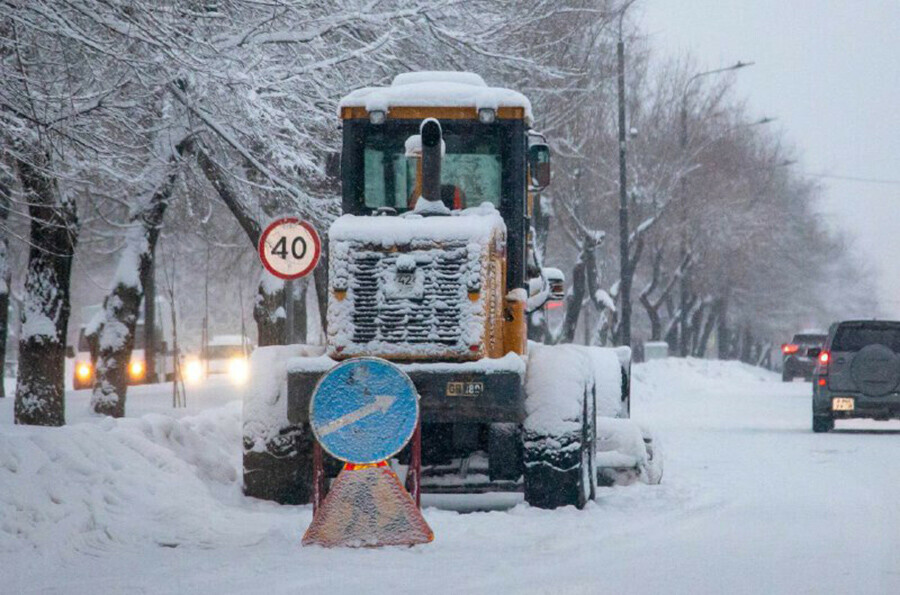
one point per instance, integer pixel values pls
(723, 334)
(5, 276)
(40, 391)
(652, 306)
(121, 306)
(708, 327)
(746, 346)
(268, 311)
(320, 276)
(575, 298)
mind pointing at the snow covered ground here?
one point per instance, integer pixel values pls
(751, 502)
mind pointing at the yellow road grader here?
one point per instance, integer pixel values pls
(430, 267)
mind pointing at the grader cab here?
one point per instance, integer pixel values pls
(429, 268)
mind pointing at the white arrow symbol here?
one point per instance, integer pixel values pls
(382, 403)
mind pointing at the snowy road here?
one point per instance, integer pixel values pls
(751, 502)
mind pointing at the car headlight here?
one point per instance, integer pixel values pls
(136, 368)
(83, 370)
(238, 370)
(193, 371)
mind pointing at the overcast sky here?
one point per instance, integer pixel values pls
(829, 70)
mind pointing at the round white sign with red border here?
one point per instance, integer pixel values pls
(289, 248)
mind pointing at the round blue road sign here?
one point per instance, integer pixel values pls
(364, 410)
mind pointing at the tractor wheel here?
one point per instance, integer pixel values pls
(555, 476)
(559, 433)
(559, 469)
(283, 473)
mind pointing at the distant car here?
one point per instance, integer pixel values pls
(225, 354)
(857, 374)
(797, 361)
(85, 354)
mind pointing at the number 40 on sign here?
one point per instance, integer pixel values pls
(289, 248)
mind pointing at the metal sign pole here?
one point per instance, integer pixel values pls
(289, 311)
(414, 473)
(318, 477)
(363, 412)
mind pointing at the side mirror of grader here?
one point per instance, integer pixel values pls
(549, 287)
(556, 281)
(539, 166)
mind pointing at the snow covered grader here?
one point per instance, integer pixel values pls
(430, 267)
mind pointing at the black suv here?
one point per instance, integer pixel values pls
(857, 373)
(797, 360)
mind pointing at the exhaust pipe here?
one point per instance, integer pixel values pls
(432, 145)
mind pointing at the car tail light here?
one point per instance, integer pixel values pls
(789, 348)
(821, 371)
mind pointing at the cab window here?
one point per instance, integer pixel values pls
(470, 172)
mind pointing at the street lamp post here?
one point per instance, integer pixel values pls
(684, 284)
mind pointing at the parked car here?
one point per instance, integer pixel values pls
(85, 353)
(857, 374)
(797, 361)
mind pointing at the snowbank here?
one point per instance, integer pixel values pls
(265, 400)
(94, 487)
(659, 379)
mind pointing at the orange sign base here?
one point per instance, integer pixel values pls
(367, 506)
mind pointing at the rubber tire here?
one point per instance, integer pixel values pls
(284, 473)
(785, 377)
(546, 485)
(822, 424)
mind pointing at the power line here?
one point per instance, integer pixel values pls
(855, 179)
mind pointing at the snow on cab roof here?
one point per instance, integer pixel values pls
(437, 89)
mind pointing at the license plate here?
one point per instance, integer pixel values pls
(842, 404)
(465, 389)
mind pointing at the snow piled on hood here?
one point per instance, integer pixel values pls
(475, 224)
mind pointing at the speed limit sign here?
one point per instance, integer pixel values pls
(289, 248)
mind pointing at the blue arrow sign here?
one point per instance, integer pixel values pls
(364, 410)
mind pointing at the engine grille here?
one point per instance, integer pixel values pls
(429, 313)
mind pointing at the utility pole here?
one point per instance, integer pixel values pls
(150, 338)
(685, 281)
(625, 274)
